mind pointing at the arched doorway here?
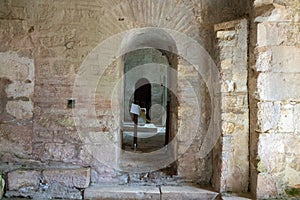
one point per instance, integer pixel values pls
(149, 54)
(146, 79)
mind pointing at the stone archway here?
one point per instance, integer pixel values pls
(147, 63)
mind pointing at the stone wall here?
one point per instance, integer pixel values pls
(56, 39)
(46, 45)
(275, 98)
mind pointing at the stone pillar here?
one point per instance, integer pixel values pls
(233, 146)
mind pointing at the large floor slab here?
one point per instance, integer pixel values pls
(186, 192)
(121, 192)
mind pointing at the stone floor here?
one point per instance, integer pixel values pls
(134, 192)
(147, 141)
(98, 192)
(151, 152)
(150, 138)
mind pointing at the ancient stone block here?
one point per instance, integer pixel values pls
(264, 59)
(20, 109)
(15, 67)
(291, 175)
(286, 120)
(297, 118)
(275, 34)
(276, 151)
(266, 186)
(291, 144)
(53, 191)
(20, 89)
(277, 11)
(259, 3)
(55, 151)
(268, 115)
(42, 136)
(16, 139)
(186, 192)
(59, 191)
(78, 177)
(278, 59)
(278, 86)
(23, 179)
(122, 192)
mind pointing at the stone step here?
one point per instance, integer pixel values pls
(244, 196)
(186, 192)
(100, 192)
(140, 129)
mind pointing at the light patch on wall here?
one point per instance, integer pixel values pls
(20, 73)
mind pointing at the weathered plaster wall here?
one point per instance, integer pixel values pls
(274, 92)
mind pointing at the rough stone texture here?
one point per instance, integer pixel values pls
(79, 178)
(20, 109)
(191, 165)
(48, 183)
(266, 186)
(122, 192)
(23, 179)
(272, 58)
(16, 105)
(186, 192)
(54, 191)
(44, 43)
(269, 115)
(232, 55)
(270, 82)
(60, 35)
(20, 73)
(16, 140)
(275, 96)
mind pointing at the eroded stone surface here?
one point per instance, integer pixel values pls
(269, 83)
(186, 192)
(79, 178)
(54, 191)
(122, 192)
(269, 115)
(266, 186)
(234, 105)
(48, 183)
(20, 109)
(23, 179)
(56, 37)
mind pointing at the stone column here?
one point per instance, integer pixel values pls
(233, 153)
